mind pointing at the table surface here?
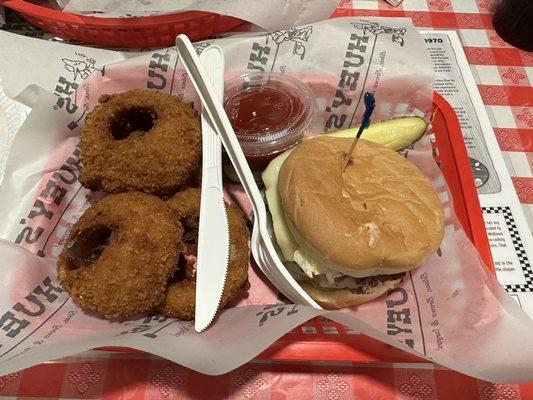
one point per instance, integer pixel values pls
(504, 75)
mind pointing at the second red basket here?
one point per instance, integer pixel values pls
(138, 32)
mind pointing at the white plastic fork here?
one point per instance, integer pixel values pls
(270, 264)
(266, 265)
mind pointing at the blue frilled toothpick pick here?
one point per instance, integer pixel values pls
(370, 104)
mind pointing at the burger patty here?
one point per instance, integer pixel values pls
(354, 285)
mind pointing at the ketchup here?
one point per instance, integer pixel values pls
(269, 113)
(262, 110)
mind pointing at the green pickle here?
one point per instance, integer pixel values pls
(396, 133)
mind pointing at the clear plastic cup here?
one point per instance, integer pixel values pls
(269, 113)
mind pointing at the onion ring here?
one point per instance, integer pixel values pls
(119, 255)
(141, 140)
(180, 297)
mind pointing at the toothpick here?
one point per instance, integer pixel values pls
(370, 104)
(348, 156)
(433, 115)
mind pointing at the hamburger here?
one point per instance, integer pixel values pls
(349, 236)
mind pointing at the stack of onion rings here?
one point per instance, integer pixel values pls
(126, 253)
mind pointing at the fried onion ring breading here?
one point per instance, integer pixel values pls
(119, 255)
(179, 301)
(141, 140)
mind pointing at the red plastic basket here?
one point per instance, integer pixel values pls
(327, 341)
(156, 31)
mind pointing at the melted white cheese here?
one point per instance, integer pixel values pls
(290, 249)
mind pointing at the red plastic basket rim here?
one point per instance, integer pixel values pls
(35, 10)
(469, 191)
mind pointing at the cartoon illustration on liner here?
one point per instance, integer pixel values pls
(299, 36)
(82, 68)
(377, 29)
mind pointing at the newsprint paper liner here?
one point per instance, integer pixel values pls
(269, 14)
(451, 310)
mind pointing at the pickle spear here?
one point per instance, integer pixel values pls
(396, 133)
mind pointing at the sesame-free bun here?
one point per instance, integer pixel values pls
(380, 216)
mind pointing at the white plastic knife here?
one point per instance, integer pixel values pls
(213, 233)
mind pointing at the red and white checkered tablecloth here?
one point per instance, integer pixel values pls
(504, 75)
(124, 376)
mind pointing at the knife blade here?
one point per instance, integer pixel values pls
(213, 232)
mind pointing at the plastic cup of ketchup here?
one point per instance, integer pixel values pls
(269, 113)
